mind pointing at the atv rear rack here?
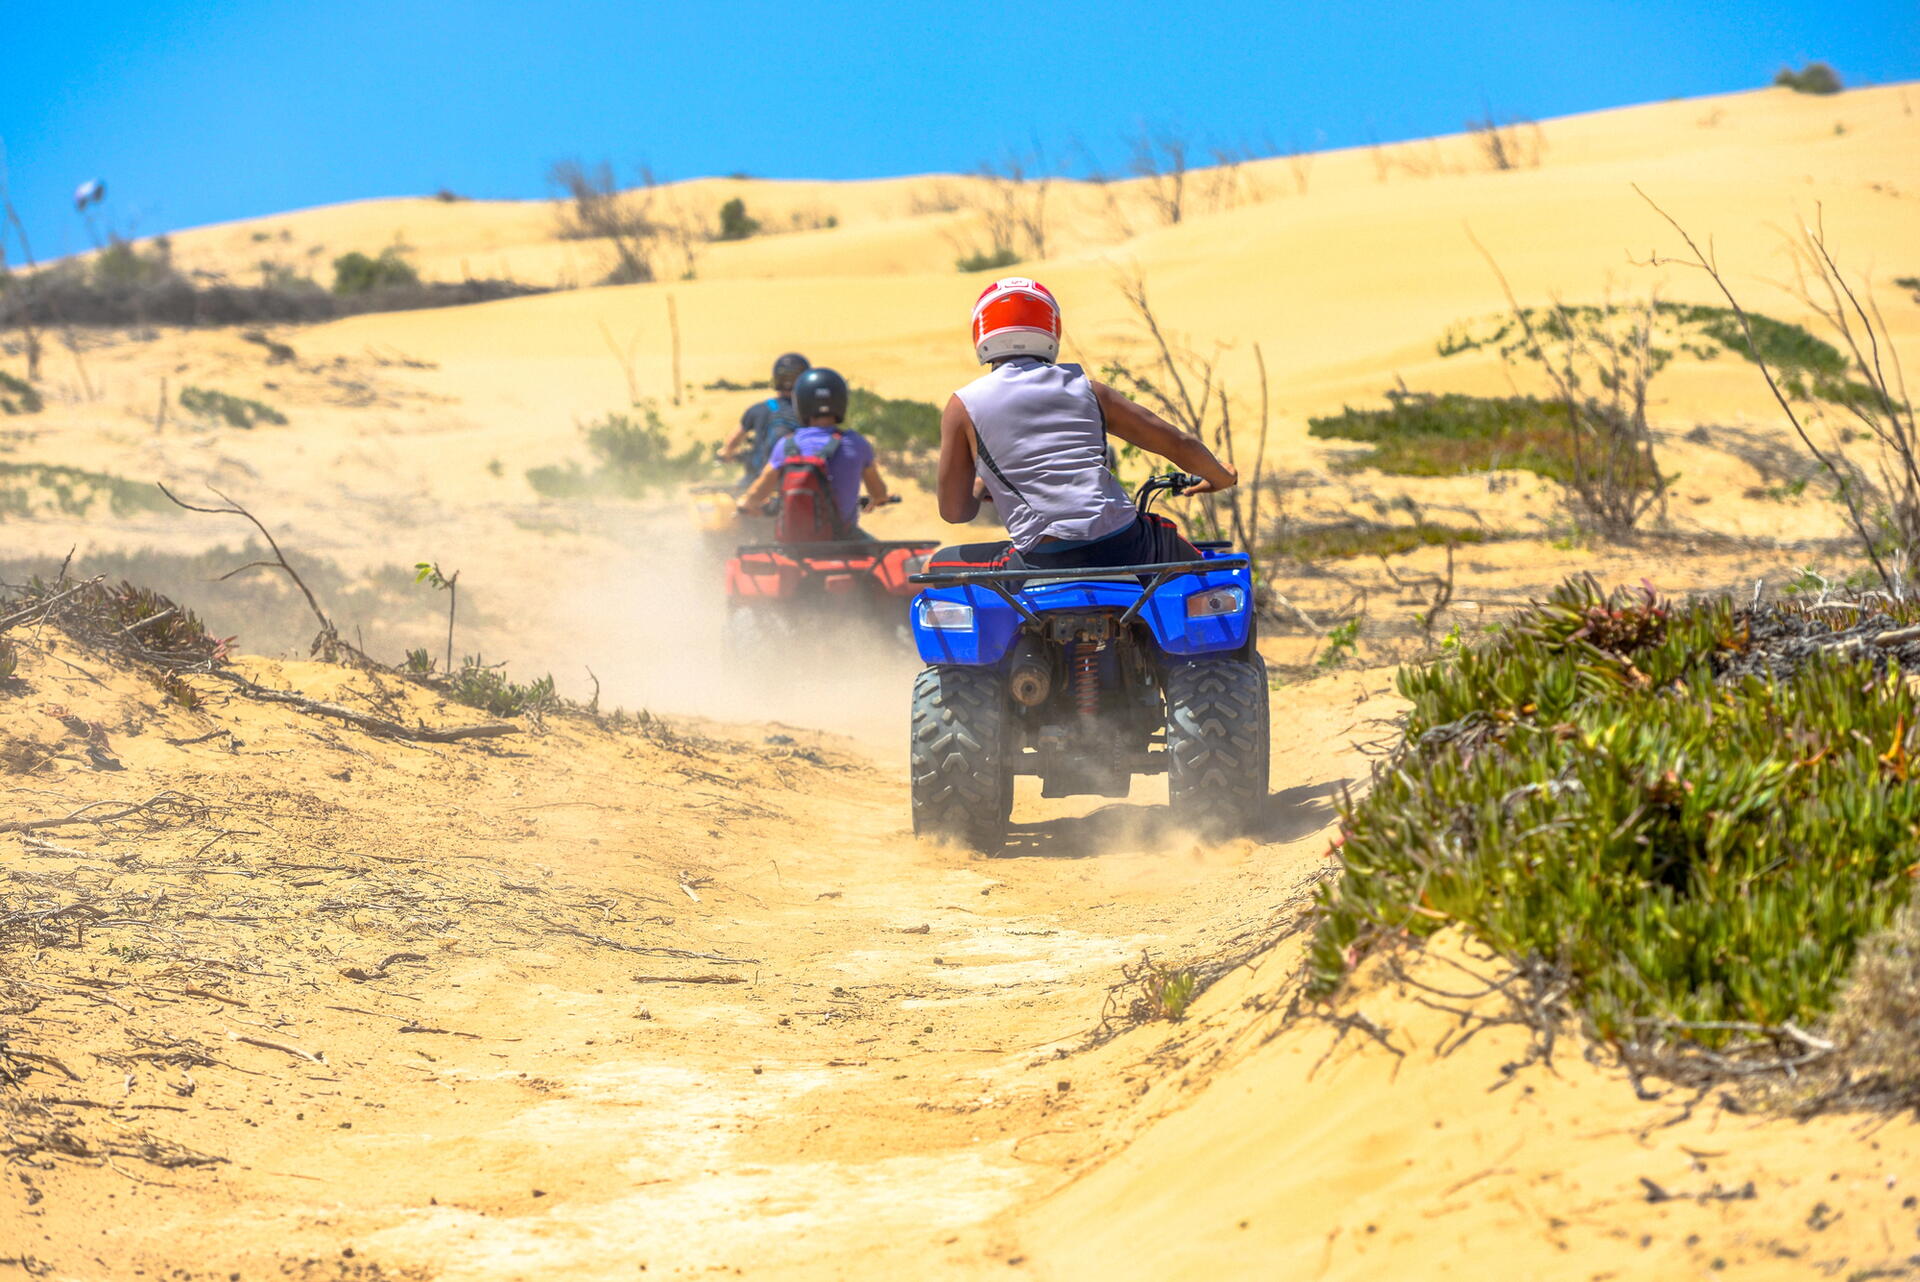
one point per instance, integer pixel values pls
(840, 548)
(1161, 572)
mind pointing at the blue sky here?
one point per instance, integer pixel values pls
(218, 109)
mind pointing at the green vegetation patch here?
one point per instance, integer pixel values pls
(17, 396)
(632, 457)
(1815, 77)
(478, 685)
(1808, 367)
(1695, 814)
(32, 489)
(985, 261)
(1360, 538)
(356, 273)
(894, 424)
(235, 411)
(734, 222)
(1420, 434)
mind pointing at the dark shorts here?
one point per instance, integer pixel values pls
(1150, 540)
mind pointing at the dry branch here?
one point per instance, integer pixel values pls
(371, 724)
(91, 813)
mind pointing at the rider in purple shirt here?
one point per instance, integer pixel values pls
(820, 396)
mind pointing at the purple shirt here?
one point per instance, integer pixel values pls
(844, 469)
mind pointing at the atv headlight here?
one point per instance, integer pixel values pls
(1216, 601)
(946, 616)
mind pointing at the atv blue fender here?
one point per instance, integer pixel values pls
(974, 624)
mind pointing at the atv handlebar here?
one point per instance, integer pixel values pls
(1174, 483)
(868, 502)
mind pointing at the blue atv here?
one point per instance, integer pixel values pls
(1087, 678)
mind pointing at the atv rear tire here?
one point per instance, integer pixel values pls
(1217, 744)
(962, 765)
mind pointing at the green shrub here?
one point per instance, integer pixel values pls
(1809, 368)
(122, 264)
(235, 411)
(734, 223)
(355, 273)
(17, 396)
(983, 261)
(1607, 786)
(1419, 434)
(631, 458)
(30, 488)
(1359, 538)
(894, 424)
(9, 660)
(478, 686)
(1815, 77)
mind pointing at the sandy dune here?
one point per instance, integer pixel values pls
(532, 1098)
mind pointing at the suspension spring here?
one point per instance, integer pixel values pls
(1086, 678)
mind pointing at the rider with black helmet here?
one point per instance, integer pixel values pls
(766, 421)
(820, 400)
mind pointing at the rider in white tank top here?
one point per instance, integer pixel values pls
(1035, 434)
(1041, 445)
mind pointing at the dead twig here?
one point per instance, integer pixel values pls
(373, 725)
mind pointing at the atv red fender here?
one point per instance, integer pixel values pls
(789, 571)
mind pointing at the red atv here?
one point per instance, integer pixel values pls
(779, 592)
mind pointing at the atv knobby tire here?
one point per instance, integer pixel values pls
(1217, 744)
(962, 766)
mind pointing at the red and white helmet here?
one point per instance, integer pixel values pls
(1016, 317)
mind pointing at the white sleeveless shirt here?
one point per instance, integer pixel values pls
(1040, 444)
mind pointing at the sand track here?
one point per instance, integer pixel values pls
(660, 1000)
(591, 999)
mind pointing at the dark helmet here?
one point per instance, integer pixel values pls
(788, 368)
(820, 391)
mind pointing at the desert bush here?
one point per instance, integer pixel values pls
(356, 273)
(1810, 367)
(380, 604)
(1351, 539)
(894, 424)
(1615, 478)
(70, 293)
(734, 223)
(17, 396)
(594, 208)
(29, 489)
(1508, 144)
(632, 457)
(1692, 813)
(235, 411)
(1190, 390)
(136, 621)
(479, 685)
(981, 260)
(1876, 1019)
(1423, 434)
(9, 661)
(1884, 512)
(1815, 77)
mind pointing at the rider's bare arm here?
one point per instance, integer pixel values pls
(875, 483)
(958, 501)
(1141, 426)
(735, 444)
(759, 492)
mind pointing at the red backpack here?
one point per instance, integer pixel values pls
(808, 513)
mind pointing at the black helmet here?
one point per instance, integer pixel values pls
(820, 391)
(788, 368)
